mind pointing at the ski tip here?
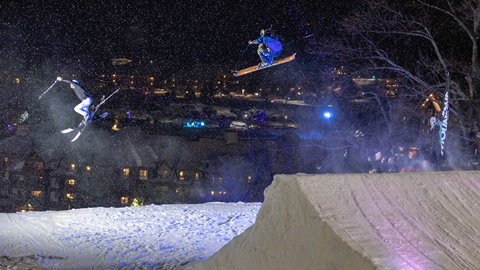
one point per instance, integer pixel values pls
(76, 137)
(67, 130)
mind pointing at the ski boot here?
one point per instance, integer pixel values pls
(88, 117)
(263, 64)
(267, 59)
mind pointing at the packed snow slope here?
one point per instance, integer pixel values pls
(150, 237)
(361, 221)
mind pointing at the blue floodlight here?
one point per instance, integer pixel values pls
(326, 113)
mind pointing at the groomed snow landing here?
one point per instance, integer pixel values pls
(150, 237)
(422, 221)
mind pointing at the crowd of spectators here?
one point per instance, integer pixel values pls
(389, 163)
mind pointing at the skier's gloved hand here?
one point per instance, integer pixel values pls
(59, 79)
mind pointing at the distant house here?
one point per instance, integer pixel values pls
(49, 174)
(104, 168)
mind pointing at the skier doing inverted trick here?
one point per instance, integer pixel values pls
(268, 48)
(84, 108)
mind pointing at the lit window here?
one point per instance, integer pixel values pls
(124, 200)
(17, 80)
(220, 179)
(89, 168)
(36, 193)
(181, 176)
(71, 182)
(39, 165)
(143, 174)
(249, 179)
(70, 196)
(197, 176)
(126, 172)
(213, 193)
(72, 167)
(5, 159)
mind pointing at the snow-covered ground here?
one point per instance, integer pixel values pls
(149, 237)
(397, 221)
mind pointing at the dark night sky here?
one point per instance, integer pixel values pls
(174, 32)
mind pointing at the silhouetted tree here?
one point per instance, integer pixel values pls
(431, 48)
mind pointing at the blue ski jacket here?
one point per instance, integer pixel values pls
(273, 44)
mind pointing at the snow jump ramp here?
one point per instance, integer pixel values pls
(361, 221)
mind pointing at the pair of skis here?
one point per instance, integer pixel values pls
(258, 67)
(85, 122)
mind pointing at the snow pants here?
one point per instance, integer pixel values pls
(82, 108)
(265, 55)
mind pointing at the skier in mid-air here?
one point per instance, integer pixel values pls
(268, 48)
(84, 108)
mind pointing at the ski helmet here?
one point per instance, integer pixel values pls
(266, 32)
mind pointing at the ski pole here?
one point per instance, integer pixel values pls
(241, 56)
(297, 39)
(103, 101)
(47, 89)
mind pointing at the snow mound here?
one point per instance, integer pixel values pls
(149, 237)
(361, 221)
